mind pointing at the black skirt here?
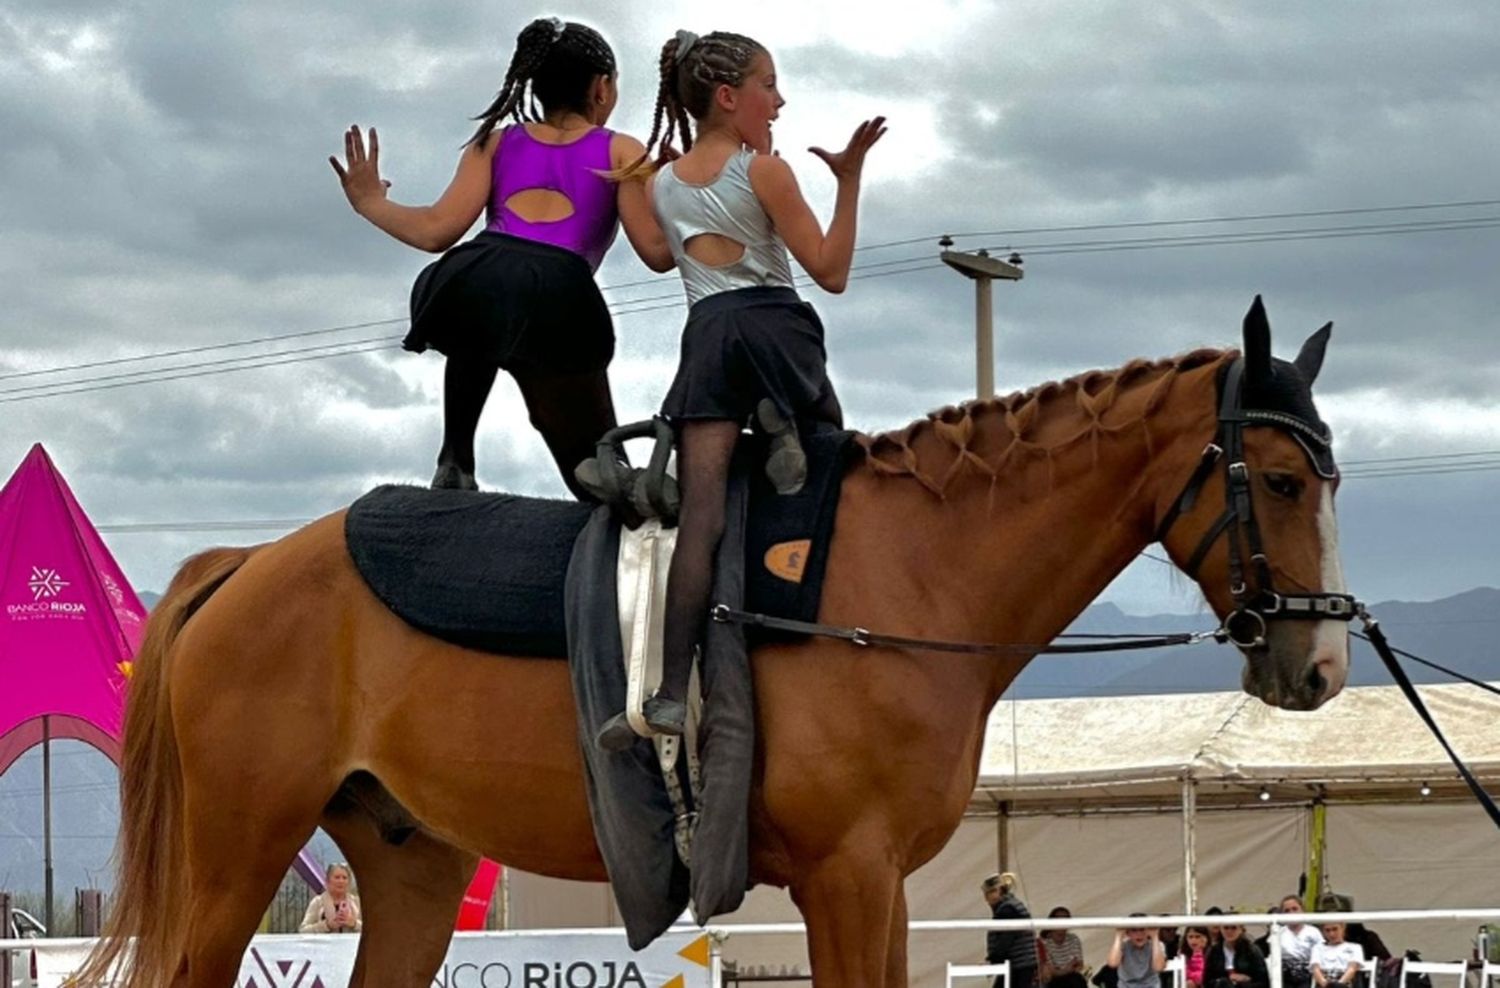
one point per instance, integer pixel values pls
(519, 304)
(752, 343)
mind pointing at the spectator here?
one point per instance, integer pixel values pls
(1016, 946)
(1138, 956)
(1335, 961)
(1171, 945)
(1195, 955)
(1171, 941)
(335, 909)
(1235, 962)
(1060, 956)
(1369, 941)
(1215, 933)
(1297, 943)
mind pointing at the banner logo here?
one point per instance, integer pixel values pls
(287, 979)
(45, 583)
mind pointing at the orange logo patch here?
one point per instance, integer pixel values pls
(787, 560)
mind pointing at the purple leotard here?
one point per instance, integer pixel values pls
(522, 162)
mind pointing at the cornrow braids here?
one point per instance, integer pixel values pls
(554, 65)
(689, 78)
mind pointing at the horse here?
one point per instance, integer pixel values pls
(274, 693)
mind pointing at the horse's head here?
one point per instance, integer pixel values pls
(1255, 524)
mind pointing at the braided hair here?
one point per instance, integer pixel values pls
(554, 63)
(691, 69)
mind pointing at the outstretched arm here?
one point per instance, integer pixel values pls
(826, 257)
(432, 228)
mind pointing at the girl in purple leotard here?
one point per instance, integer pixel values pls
(521, 295)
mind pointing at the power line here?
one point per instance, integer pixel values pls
(199, 349)
(1208, 240)
(247, 525)
(300, 354)
(223, 362)
(1200, 221)
(284, 524)
(201, 373)
(1251, 237)
(1427, 456)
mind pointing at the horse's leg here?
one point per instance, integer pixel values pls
(408, 895)
(895, 946)
(849, 902)
(235, 868)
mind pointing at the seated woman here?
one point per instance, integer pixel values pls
(1060, 956)
(1234, 962)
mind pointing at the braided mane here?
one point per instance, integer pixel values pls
(1015, 420)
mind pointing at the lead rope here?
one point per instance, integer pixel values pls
(1376, 637)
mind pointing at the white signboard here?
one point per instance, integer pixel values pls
(512, 959)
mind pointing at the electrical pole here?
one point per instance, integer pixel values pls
(983, 269)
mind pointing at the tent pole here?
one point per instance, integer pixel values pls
(1190, 845)
(1317, 846)
(1002, 835)
(47, 818)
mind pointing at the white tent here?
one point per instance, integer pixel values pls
(1124, 804)
(1136, 748)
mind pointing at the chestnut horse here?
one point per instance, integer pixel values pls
(274, 693)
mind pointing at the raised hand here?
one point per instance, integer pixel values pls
(848, 163)
(361, 177)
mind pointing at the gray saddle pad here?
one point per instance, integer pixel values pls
(480, 570)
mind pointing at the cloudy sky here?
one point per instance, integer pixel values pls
(164, 188)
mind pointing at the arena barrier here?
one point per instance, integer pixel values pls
(682, 958)
(497, 959)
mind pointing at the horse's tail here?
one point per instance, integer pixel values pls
(150, 891)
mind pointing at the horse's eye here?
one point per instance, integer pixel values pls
(1283, 485)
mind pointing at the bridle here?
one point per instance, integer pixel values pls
(1254, 607)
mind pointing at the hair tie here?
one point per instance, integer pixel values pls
(685, 42)
(558, 27)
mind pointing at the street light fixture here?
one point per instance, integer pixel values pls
(983, 269)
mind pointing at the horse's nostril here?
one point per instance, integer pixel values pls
(1316, 684)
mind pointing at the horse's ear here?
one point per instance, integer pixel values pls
(1257, 343)
(1310, 360)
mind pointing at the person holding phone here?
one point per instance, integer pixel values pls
(335, 909)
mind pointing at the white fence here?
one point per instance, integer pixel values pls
(602, 959)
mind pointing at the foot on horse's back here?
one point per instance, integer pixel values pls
(452, 477)
(663, 716)
(786, 462)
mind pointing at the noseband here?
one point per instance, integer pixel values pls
(1246, 626)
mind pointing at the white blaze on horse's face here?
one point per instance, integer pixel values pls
(1331, 640)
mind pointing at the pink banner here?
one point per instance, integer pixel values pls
(69, 620)
(476, 904)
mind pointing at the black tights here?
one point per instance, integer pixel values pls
(571, 411)
(704, 449)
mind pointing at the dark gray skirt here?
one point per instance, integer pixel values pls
(512, 302)
(741, 346)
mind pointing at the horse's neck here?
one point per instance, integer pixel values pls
(1003, 524)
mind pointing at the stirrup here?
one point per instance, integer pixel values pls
(663, 716)
(786, 461)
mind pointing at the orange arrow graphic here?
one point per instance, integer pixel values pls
(697, 952)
